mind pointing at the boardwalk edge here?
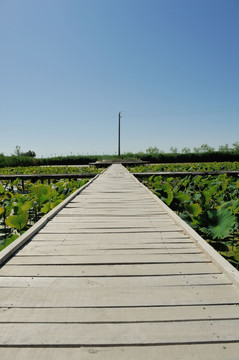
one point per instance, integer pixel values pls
(215, 257)
(15, 245)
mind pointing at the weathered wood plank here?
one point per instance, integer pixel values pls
(124, 282)
(109, 270)
(107, 259)
(90, 221)
(104, 230)
(220, 351)
(94, 250)
(116, 296)
(134, 237)
(77, 247)
(120, 334)
(118, 315)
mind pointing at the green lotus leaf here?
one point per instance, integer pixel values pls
(236, 256)
(46, 208)
(213, 189)
(18, 221)
(186, 217)
(224, 184)
(207, 196)
(26, 206)
(167, 195)
(196, 196)
(57, 202)
(194, 209)
(166, 187)
(10, 240)
(232, 205)
(183, 197)
(185, 182)
(217, 223)
(197, 179)
(1, 210)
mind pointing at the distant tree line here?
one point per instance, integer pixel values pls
(204, 148)
(204, 153)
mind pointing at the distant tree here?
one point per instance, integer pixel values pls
(235, 146)
(203, 148)
(152, 150)
(206, 148)
(185, 150)
(17, 151)
(173, 150)
(29, 153)
(224, 148)
(196, 150)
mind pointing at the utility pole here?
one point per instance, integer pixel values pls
(119, 136)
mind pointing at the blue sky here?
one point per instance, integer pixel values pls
(67, 67)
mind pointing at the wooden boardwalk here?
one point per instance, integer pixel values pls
(115, 275)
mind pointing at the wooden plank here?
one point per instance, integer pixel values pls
(134, 237)
(108, 270)
(133, 221)
(94, 250)
(113, 230)
(116, 296)
(219, 351)
(92, 211)
(37, 246)
(118, 315)
(120, 334)
(107, 259)
(117, 226)
(124, 282)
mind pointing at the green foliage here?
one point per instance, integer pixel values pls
(165, 193)
(18, 221)
(8, 241)
(217, 223)
(210, 204)
(19, 170)
(194, 209)
(202, 166)
(20, 209)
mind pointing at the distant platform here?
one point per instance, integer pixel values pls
(106, 163)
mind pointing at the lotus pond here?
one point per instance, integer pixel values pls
(209, 204)
(21, 208)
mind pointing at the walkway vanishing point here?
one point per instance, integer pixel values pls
(116, 275)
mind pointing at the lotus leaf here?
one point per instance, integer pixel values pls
(194, 209)
(217, 223)
(18, 221)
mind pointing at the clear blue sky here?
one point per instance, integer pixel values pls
(67, 67)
